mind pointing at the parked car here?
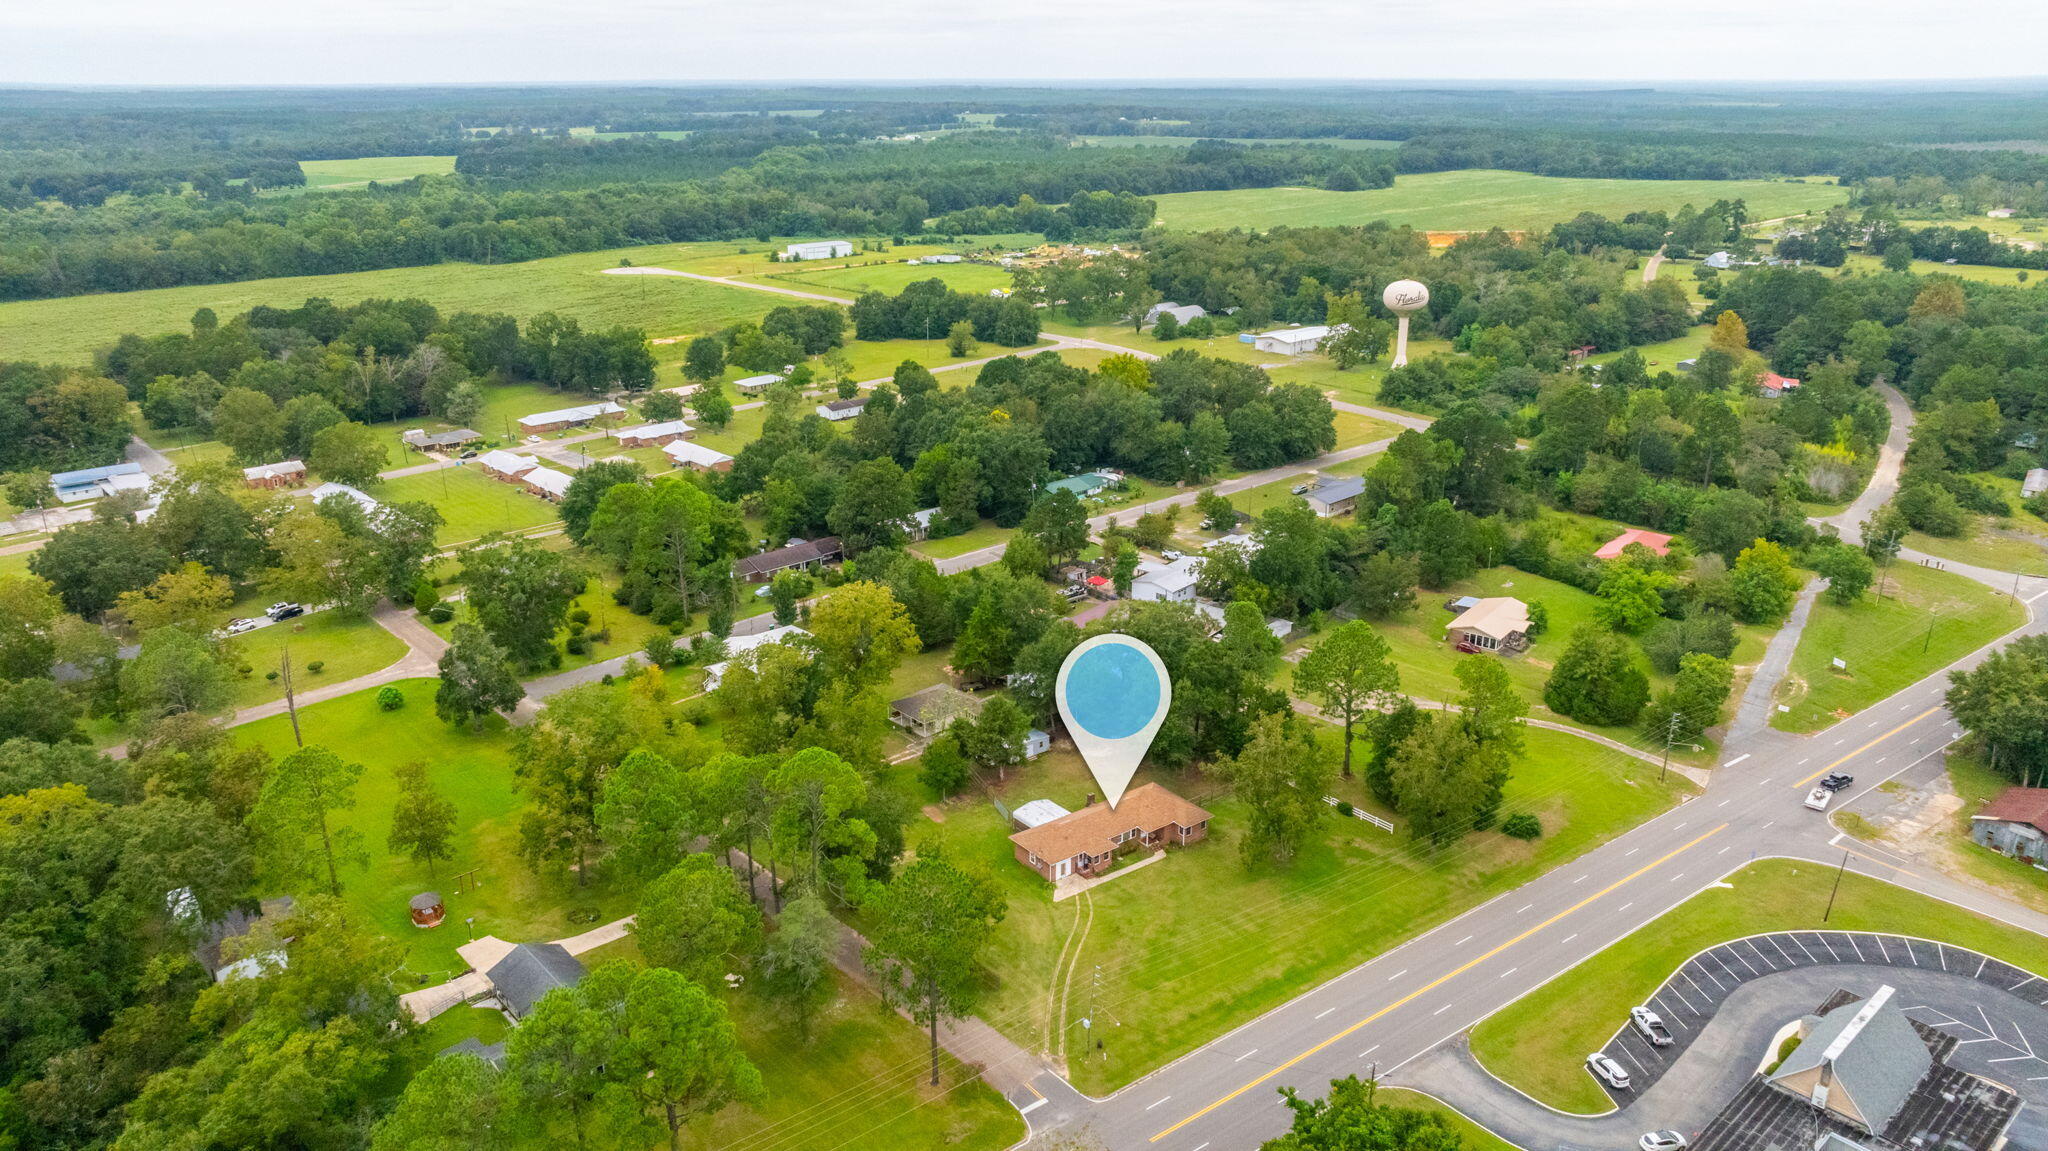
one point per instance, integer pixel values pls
(1663, 1141)
(469, 455)
(1650, 1026)
(284, 611)
(1817, 799)
(1607, 1071)
(238, 626)
(1836, 780)
(1300, 489)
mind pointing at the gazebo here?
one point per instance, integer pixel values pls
(427, 910)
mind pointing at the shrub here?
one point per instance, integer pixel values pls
(1344, 807)
(1522, 825)
(389, 698)
(580, 617)
(578, 645)
(441, 612)
(424, 597)
(244, 670)
(1539, 618)
(660, 649)
(316, 665)
(270, 675)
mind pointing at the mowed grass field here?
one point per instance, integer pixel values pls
(68, 330)
(1478, 199)
(1927, 620)
(890, 278)
(474, 771)
(327, 175)
(1184, 141)
(1195, 944)
(1538, 1043)
(471, 503)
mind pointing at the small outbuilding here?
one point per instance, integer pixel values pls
(2035, 483)
(1494, 624)
(818, 250)
(1772, 385)
(427, 910)
(847, 409)
(2016, 824)
(1294, 341)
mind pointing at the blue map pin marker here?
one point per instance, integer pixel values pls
(1113, 693)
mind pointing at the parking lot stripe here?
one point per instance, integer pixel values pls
(1745, 962)
(1832, 953)
(1859, 949)
(1760, 954)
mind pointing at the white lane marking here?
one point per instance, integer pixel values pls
(1404, 971)
(1204, 1144)
(1680, 825)
(1569, 938)
(1509, 971)
(1246, 1055)
(1630, 851)
(1462, 942)
(1724, 803)
(1441, 1010)
(1736, 760)
(1524, 907)
(1150, 1106)
(1361, 1055)
(1325, 1011)
(2009, 1059)
(1580, 879)
(1626, 906)
(1026, 1110)
(1724, 849)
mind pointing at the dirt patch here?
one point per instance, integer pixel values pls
(934, 812)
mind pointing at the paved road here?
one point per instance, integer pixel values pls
(1395, 1008)
(1884, 479)
(1747, 993)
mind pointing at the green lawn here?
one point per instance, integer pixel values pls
(68, 330)
(345, 648)
(628, 632)
(474, 771)
(1927, 620)
(1194, 945)
(1976, 784)
(1664, 355)
(472, 503)
(973, 539)
(1359, 385)
(2014, 543)
(1473, 1136)
(876, 359)
(860, 1081)
(888, 277)
(1538, 1043)
(1981, 273)
(326, 175)
(1474, 200)
(1222, 347)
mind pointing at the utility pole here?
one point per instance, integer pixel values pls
(1670, 737)
(1838, 887)
(291, 703)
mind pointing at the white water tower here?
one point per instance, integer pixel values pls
(1404, 298)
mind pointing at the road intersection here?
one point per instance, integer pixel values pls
(1387, 1013)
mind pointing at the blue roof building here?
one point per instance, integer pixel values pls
(91, 483)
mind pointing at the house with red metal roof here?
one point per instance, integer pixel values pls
(1656, 541)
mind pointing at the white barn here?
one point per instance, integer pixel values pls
(1293, 341)
(818, 250)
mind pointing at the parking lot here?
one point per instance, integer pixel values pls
(1695, 992)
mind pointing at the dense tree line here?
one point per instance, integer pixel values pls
(929, 308)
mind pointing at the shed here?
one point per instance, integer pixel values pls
(2015, 823)
(2035, 483)
(1036, 743)
(1773, 385)
(426, 909)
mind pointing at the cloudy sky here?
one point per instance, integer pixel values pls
(470, 41)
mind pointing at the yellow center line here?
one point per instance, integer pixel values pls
(1443, 979)
(1866, 747)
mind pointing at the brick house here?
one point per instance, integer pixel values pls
(1084, 842)
(284, 474)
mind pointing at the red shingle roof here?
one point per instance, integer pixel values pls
(2019, 805)
(1655, 541)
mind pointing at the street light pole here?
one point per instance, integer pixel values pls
(1838, 887)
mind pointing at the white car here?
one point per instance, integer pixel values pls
(1817, 799)
(238, 626)
(1663, 1141)
(1607, 1071)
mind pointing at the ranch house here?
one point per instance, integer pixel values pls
(283, 474)
(656, 435)
(1061, 845)
(1494, 624)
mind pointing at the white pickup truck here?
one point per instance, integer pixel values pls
(1817, 799)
